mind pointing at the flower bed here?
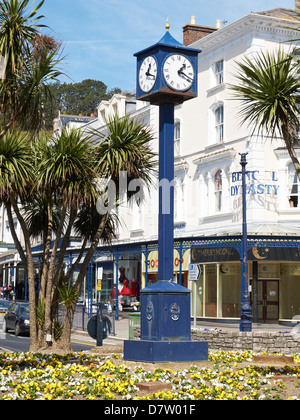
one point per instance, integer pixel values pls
(227, 376)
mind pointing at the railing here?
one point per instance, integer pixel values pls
(82, 316)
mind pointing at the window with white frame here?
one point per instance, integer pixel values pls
(177, 135)
(293, 186)
(219, 124)
(218, 190)
(219, 71)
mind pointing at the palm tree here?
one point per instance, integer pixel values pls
(19, 25)
(268, 88)
(16, 176)
(67, 174)
(30, 64)
(53, 182)
(124, 146)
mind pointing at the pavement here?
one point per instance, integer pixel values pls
(122, 331)
(121, 334)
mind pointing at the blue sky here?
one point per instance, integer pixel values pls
(101, 36)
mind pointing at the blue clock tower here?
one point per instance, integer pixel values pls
(167, 75)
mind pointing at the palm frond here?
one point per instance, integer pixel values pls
(268, 88)
(68, 166)
(125, 147)
(16, 164)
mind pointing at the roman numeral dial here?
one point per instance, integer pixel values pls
(148, 74)
(178, 72)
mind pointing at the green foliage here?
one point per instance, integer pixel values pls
(67, 293)
(18, 28)
(30, 65)
(16, 165)
(76, 99)
(67, 166)
(125, 146)
(268, 87)
(40, 313)
(58, 330)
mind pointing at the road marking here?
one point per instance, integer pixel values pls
(85, 344)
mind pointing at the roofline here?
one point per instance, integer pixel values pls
(248, 20)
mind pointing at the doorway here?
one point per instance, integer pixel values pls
(268, 301)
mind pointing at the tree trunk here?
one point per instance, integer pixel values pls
(65, 340)
(45, 265)
(64, 343)
(50, 275)
(34, 342)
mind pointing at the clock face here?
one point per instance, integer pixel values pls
(179, 72)
(148, 73)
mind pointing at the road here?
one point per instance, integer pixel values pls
(9, 341)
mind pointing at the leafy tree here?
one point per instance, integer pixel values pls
(75, 99)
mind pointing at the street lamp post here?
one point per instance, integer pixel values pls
(246, 311)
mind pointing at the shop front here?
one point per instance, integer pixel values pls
(150, 268)
(274, 284)
(277, 270)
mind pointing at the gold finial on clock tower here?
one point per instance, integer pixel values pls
(167, 25)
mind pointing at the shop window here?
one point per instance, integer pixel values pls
(211, 292)
(230, 290)
(218, 190)
(219, 124)
(293, 186)
(219, 291)
(290, 291)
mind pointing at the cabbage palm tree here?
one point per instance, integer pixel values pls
(123, 147)
(28, 70)
(17, 174)
(67, 174)
(60, 176)
(18, 29)
(268, 87)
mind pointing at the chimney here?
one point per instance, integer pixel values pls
(193, 32)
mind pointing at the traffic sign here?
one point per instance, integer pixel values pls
(92, 327)
(194, 272)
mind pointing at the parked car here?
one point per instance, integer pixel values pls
(17, 318)
(4, 305)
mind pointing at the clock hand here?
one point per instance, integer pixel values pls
(148, 74)
(181, 73)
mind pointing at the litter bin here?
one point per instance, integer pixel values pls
(134, 319)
